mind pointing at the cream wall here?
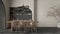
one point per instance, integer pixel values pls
(42, 9)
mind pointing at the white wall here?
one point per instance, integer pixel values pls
(42, 9)
(16, 3)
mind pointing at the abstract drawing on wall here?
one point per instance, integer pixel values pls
(54, 12)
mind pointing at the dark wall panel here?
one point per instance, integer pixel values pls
(2, 15)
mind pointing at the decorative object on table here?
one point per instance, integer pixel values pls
(20, 13)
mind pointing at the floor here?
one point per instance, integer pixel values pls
(41, 30)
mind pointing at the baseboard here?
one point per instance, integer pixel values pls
(47, 29)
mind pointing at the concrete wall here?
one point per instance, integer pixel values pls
(42, 10)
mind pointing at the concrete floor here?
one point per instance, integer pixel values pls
(31, 33)
(39, 31)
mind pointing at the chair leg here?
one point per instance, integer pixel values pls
(31, 30)
(35, 29)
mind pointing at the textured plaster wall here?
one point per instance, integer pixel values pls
(43, 6)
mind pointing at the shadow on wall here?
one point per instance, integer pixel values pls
(35, 10)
